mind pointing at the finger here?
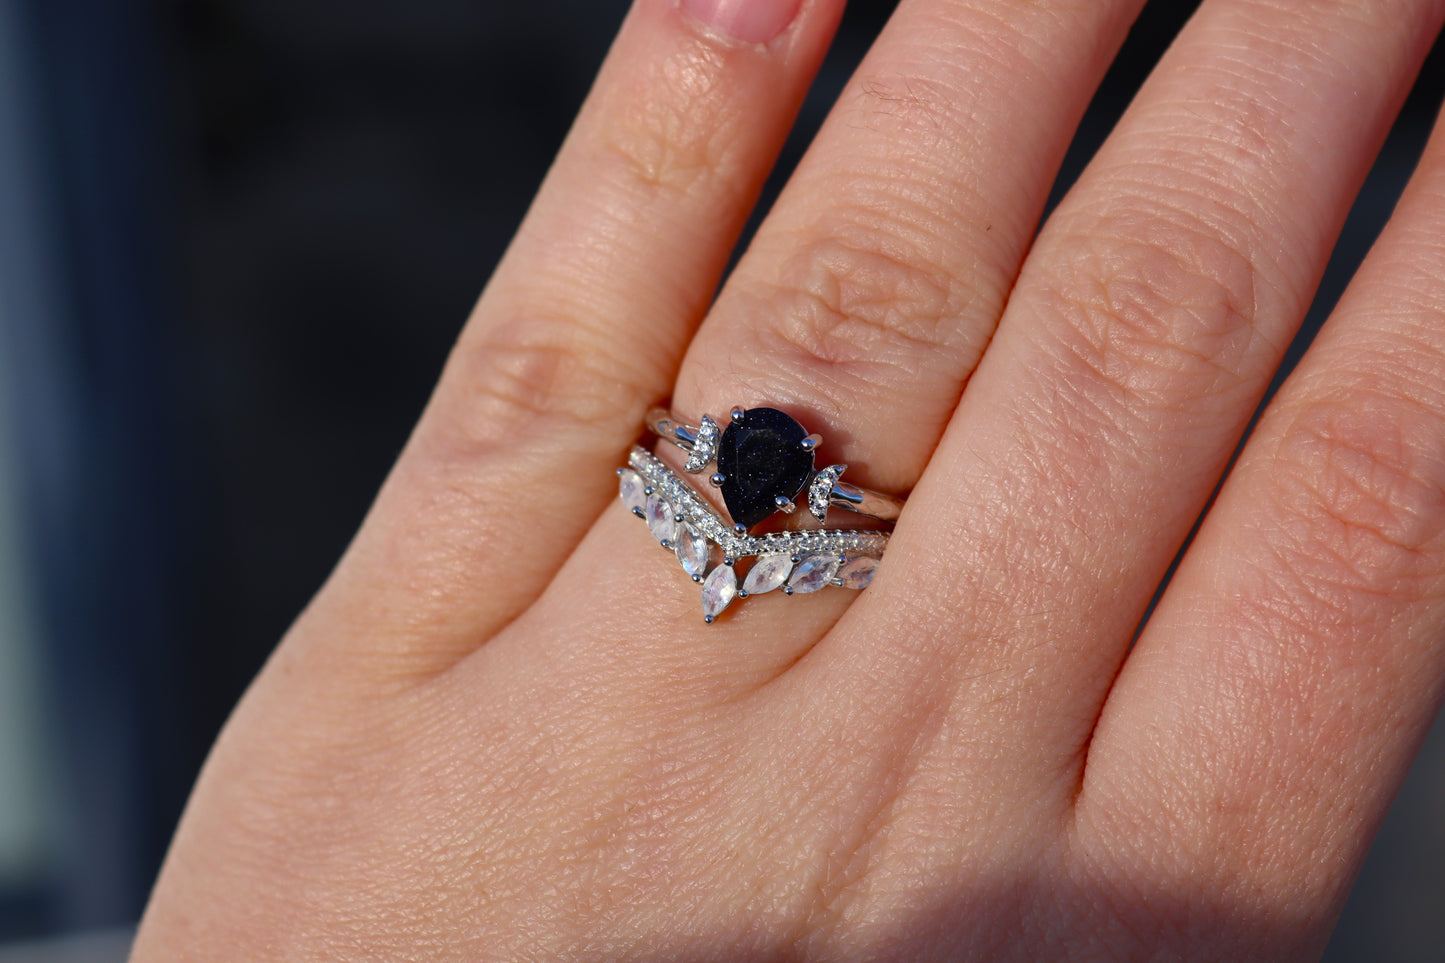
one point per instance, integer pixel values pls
(862, 303)
(870, 291)
(583, 324)
(1154, 309)
(1271, 708)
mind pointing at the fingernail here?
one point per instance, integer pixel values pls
(751, 21)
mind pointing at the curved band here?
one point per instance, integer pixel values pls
(796, 562)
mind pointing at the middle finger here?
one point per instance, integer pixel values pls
(1155, 307)
(869, 291)
(875, 282)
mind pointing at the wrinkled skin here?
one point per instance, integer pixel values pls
(502, 730)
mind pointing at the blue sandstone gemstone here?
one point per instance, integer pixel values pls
(762, 458)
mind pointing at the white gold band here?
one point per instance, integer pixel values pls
(798, 562)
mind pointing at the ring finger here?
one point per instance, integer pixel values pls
(874, 284)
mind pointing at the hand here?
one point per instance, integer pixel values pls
(502, 729)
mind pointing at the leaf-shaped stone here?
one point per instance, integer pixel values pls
(718, 591)
(660, 519)
(767, 573)
(692, 550)
(814, 572)
(633, 491)
(858, 573)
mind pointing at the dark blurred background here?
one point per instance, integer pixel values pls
(236, 240)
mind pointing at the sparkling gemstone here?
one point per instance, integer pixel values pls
(693, 550)
(633, 491)
(858, 574)
(705, 448)
(767, 573)
(718, 591)
(762, 458)
(660, 519)
(814, 572)
(820, 493)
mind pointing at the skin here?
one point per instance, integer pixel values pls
(507, 734)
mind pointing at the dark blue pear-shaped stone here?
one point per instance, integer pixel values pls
(761, 457)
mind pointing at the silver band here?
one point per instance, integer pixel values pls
(825, 487)
(686, 524)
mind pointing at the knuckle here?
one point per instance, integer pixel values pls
(678, 126)
(855, 302)
(1360, 483)
(922, 110)
(1160, 311)
(530, 375)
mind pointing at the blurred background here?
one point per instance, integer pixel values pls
(236, 240)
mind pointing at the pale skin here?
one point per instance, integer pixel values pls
(502, 729)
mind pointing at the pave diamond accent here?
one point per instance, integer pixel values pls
(768, 573)
(820, 492)
(814, 572)
(686, 502)
(633, 491)
(660, 519)
(705, 448)
(858, 573)
(693, 551)
(718, 591)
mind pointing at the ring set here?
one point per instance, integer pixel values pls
(765, 463)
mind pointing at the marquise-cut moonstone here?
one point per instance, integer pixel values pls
(718, 591)
(858, 574)
(633, 490)
(692, 550)
(767, 573)
(814, 572)
(660, 519)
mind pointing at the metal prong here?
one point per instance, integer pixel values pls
(740, 530)
(707, 619)
(717, 480)
(737, 413)
(785, 504)
(666, 543)
(698, 579)
(742, 594)
(639, 513)
(679, 518)
(787, 590)
(729, 562)
(812, 441)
